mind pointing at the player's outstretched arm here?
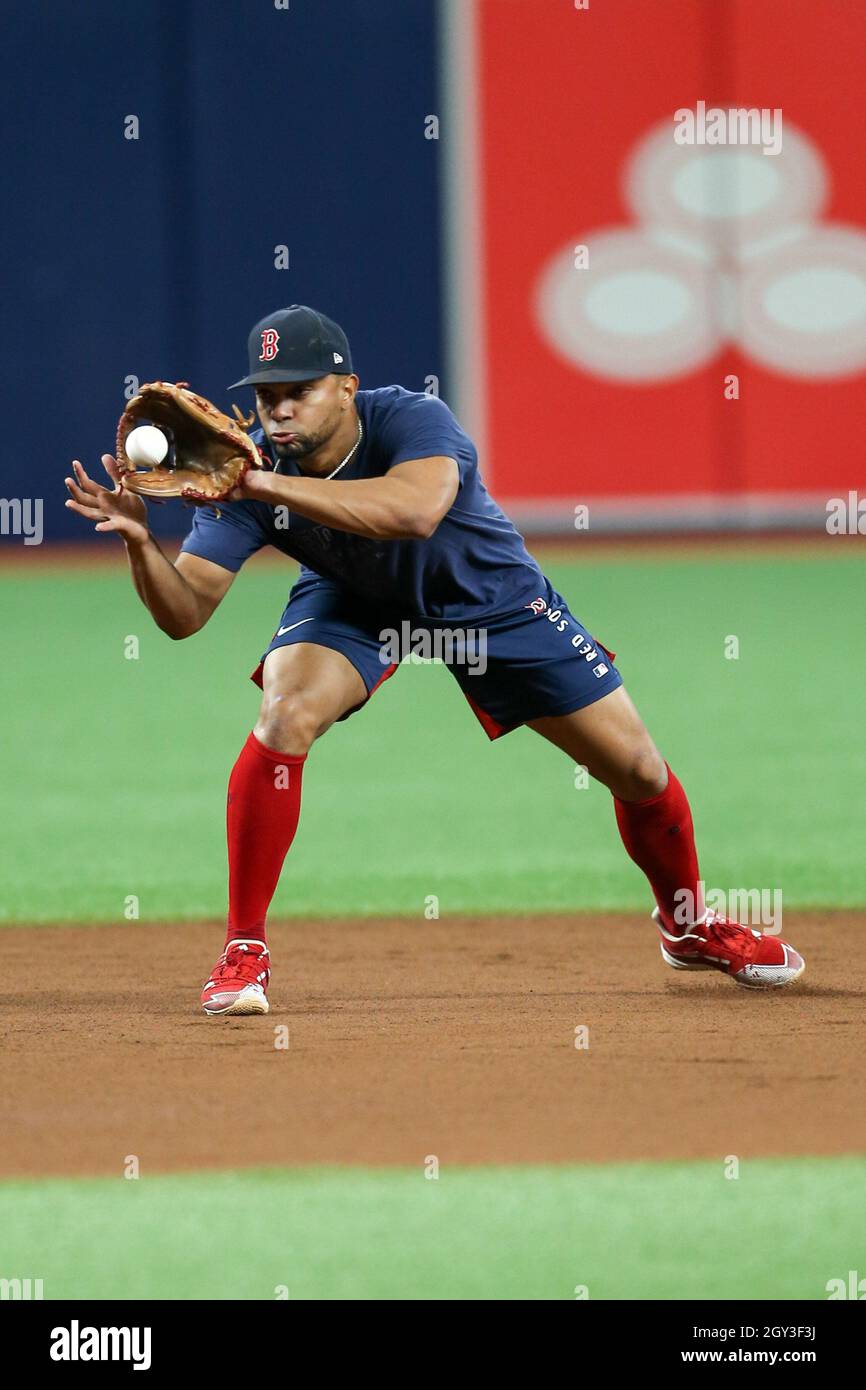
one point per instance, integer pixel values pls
(406, 504)
(181, 597)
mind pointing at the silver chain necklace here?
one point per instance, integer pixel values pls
(349, 455)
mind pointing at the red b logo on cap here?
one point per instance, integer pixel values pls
(270, 340)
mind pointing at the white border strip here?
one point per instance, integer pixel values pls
(745, 511)
(462, 271)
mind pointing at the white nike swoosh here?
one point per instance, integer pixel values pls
(281, 631)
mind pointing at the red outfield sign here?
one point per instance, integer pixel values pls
(670, 251)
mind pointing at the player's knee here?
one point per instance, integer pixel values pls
(289, 721)
(646, 773)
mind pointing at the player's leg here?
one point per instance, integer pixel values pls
(543, 668)
(305, 688)
(608, 737)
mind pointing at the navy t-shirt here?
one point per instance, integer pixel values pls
(475, 563)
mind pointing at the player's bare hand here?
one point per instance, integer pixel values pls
(111, 509)
(253, 484)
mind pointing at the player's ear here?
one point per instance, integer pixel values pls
(350, 386)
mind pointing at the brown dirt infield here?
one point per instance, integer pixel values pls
(408, 1038)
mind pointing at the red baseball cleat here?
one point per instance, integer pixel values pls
(749, 957)
(239, 980)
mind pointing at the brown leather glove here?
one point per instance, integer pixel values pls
(209, 452)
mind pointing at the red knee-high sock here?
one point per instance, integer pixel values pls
(262, 810)
(660, 838)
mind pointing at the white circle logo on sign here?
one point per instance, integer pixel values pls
(727, 249)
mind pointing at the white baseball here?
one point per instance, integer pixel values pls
(146, 445)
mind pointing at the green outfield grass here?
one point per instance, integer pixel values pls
(637, 1231)
(115, 769)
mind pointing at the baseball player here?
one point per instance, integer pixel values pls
(377, 493)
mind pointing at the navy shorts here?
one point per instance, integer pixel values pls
(537, 661)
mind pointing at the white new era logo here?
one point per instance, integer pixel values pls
(337, 357)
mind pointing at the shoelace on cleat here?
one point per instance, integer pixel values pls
(241, 963)
(731, 934)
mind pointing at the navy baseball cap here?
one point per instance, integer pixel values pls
(296, 344)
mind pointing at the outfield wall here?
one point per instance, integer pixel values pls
(441, 189)
(668, 330)
(152, 257)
